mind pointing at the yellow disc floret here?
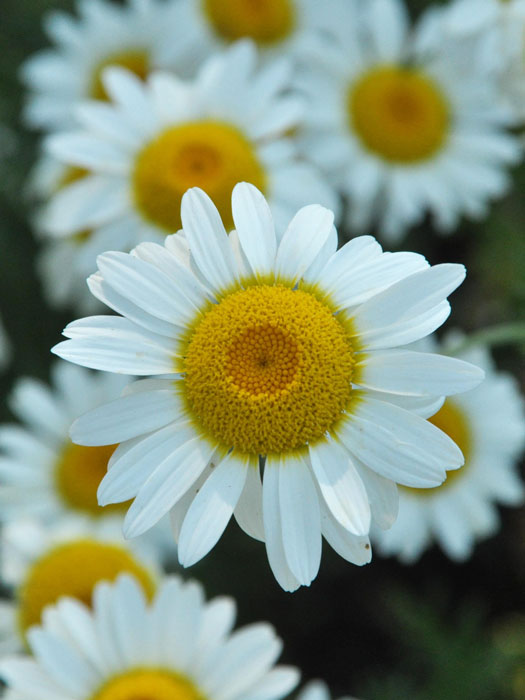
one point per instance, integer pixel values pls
(73, 569)
(451, 419)
(268, 370)
(148, 684)
(78, 473)
(211, 155)
(135, 61)
(399, 114)
(264, 21)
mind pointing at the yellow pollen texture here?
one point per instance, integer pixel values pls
(268, 370)
(78, 473)
(148, 684)
(399, 113)
(264, 21)
(451, 419)
(214, 156)
(73, 569)
(135, 61)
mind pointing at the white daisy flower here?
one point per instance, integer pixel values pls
(165, 136)
(278, 27)
(317, 690)
(178, 646)
(400, 130)
(42, 564)
(488, 423)
(137, 36)
(276, 350)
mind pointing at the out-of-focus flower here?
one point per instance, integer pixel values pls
(43, 564)
(178, 646)
(401, 130)
(137, 36)
(275, 349)
(278, 27)
(488, 423)
(317, 690)
(160, 138)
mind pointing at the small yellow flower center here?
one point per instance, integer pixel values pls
(264, 21)
(73, 569)
(211, 155)
(268, 370)
(78, 473)
(399, 114)
(451, 419)
(148, 684)
(135, 61)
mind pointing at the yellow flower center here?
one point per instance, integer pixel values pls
(135, 61)
(399, 114)
(73, 569)
(148, 684)
(211, 155)
(268, 370)
(451, 419)
(78, 473)
(264, 21)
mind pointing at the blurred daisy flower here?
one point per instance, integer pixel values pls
(278, 27)
(177, 646)
(281, 350)
(160, 138)
(137, 35)
(43, 564)
(402, 131)
(488, 424)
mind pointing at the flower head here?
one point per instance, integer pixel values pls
(280, 351)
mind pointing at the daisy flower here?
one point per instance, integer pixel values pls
(279, 352)
(160, 138)
(137, 36)
(177, 646)
(278, 27)
(317, 690)
(42, 473)
(400, 130)
(41, 565)
(488, 423)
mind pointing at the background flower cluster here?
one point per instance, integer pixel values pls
(420, 621)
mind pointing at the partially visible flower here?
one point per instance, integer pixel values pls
(43, 564)
(137, 35)
(280, 350)
(488, 423)
(317, 690)
(161, 137)
(177, 646)
(401, 130)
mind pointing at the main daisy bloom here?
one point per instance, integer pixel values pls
(177, 646)
(278, 27)
(137, 35)
(488, 423)
(400, 130)
(279, 353)
(164, 136)
(40, 565)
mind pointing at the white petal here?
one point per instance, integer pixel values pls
(248, 511)
(277, 683)
(341, 486)
(212, 509)
(382, 495)
(126, 418)
(416, 373)
(170, 480)
(255, 228)
(300, 518)
(304, 238)
(208, 239)
(352, 548)
(398, 444)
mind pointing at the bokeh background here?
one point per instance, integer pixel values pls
(434, 630)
